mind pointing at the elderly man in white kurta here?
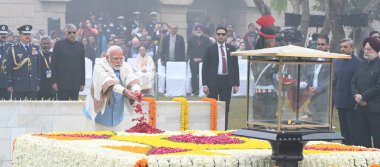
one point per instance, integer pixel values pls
(113, 89)
(144, 68)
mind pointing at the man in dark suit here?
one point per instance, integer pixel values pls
(23, 67)
(4, 45)
(344, 70)
(196, 49)
(319, 83)
(173, 47)
(68, 67)
(365, 87)
(373, 34)
(46, 92)
(220, 71)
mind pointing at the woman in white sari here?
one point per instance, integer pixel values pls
(145, 69)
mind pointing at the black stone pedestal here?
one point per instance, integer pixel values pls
(287, 147)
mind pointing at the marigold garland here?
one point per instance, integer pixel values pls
(213, 113)
(142, 163)
(337, 147)
(184, 112)
(152, 110)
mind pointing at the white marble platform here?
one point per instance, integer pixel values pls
(21, 117)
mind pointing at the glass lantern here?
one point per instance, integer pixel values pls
(289, 89)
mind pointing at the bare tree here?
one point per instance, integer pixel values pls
(263, 8)
(370, 8)
(296, 4)
(305, 19)
(335, 10)
(326, 29)
(333, 23)
(361, 33)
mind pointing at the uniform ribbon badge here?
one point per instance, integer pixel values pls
(34, 51)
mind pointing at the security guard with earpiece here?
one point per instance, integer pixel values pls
(23, 67)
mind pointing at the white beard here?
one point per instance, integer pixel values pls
(116, 67)
(370, 57)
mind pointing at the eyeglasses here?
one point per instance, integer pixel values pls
(378, 37)
(71, 32)
(221, 34)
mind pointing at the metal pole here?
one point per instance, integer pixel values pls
(156, 86)
(298, 90)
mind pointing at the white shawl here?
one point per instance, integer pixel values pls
(105, 81)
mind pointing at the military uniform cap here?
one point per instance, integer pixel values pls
(25, 29)
(3, 29)
(136, 13)
(120, 17)
(267, 26)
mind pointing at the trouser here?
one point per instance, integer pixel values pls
(368, 124)
(319, 108)
(265, 106)
(24, 95)
(348, 125)
(194, 67)
(45, 95)
(221, 91)
(64, 94)
(4, 94)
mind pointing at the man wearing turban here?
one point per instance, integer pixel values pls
(365, 87)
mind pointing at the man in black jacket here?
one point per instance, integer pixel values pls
(220, 71)
(68, 67)
(344, 70)
(373, 34)
(46, 92)
(196, 49)
(365, 87)
(173, 47)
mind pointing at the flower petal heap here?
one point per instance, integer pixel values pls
(218, 139)
(144, 127)
(165, 150)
